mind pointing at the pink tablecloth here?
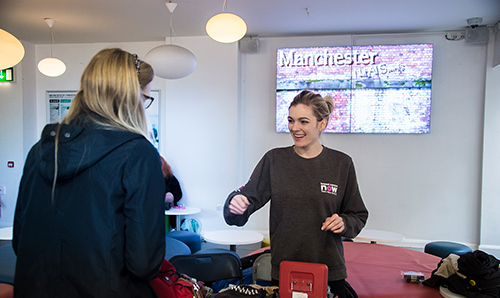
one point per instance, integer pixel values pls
(374, 270)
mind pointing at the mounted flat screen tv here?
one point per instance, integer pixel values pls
(375, 89)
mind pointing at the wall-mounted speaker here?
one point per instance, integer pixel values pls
(478, 35)
(249, 45)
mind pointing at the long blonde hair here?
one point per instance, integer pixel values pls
(109, 96)
(109, 93)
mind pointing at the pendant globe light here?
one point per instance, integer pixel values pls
(11, 50)
(226, 27)
(51, 67)
(171, 61)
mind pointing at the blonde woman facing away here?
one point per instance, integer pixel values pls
(89, 219)
(313, 191)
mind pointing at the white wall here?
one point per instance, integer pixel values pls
(427, 187)
(200, 128)
(218, 122)
(490, 240)
(11, 133)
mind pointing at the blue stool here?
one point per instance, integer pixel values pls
(192, 240)
(7, 264)
(443, 248)
(174, 247)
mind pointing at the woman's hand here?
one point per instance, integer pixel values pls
(334, 223)
(169, 198)
(238, 204)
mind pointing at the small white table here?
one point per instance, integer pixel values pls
(377, 235)
(181, 210)
(6, 233)
(445, 292)
(233, 237)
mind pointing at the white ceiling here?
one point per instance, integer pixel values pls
(90, 21)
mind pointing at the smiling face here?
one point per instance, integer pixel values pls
(305, 130)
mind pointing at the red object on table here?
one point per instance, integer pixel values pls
(310, 279)
(374, 270)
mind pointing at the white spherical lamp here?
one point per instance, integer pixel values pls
(11, 50)
(51, 67)
(171, 61)
(226, 27)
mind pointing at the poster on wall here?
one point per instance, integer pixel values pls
(59, 102)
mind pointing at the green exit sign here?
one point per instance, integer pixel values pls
(7, 75)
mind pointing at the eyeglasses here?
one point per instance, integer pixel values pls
(147, 100)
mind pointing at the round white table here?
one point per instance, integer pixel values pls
(445, 292)
(181, 210)
(6, 233)
(377, 235)
(233, 237)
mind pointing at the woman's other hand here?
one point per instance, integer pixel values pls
(334, 223)
(238, 204)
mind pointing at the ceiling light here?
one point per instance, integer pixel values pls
(226, 27)
(51, 67)
(171, 61)
(11, 50)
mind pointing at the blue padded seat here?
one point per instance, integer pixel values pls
(443, 248)
(192, 240)
(7, 264)
(174, 247)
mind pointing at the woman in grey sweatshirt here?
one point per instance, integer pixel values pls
(314, 194)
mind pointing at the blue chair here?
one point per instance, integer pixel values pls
(217, 250)
(7, 264)
(209, 267)
(174, 247)
(192, 240)
(443, 248)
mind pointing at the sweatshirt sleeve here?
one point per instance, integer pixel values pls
(353, 212)
(257, 190)
(174, 187)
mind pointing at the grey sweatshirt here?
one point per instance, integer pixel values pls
(303, 193)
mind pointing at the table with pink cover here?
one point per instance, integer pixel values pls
(374, 270)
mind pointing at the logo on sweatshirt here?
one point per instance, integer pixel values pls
(329, 188)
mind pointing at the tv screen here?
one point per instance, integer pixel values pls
(375, 89)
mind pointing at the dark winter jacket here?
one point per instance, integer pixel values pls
(102, 233)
